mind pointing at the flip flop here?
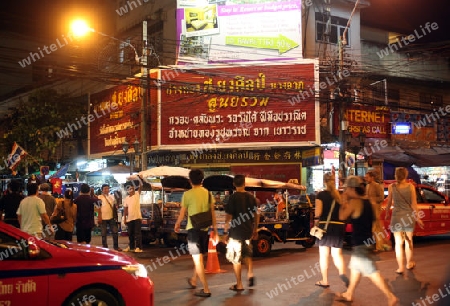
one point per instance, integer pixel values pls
(251, 281)
(191, 286)
(235, 288)
(319, 283)
(202, 293)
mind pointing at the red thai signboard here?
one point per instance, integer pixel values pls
(271, 105)
(114, 117)
(374, 121)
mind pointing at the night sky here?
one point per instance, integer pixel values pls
(47, 19)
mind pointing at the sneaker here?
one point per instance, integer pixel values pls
(138, 250)
(127, 249)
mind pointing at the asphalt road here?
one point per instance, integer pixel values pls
(288, 275)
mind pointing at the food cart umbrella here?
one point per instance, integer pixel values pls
(176, 182)
(225, 182)
(165, 171)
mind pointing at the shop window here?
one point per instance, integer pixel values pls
(330, 28)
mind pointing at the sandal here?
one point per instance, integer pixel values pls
(319, 283)
(251, 281)
(202, 293)
(235, 288)
(411, 266)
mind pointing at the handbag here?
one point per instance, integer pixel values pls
(317, 231)
(203, 219)
(59, 216)
(113, 208)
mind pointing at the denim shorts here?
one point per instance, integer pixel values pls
(197, 241)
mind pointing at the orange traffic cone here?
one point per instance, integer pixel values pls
(212, 263)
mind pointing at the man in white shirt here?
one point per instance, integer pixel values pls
(31, 214)
(133, 218)
(106, 218)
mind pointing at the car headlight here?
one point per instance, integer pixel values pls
(136, 270)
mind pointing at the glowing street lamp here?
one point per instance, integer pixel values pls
(80, 28)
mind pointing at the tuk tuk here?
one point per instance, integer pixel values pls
(290, 224)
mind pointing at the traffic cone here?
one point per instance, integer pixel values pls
(212, 263)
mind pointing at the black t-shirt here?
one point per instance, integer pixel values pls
(10, 203)
(243, 209)
(333, 228)
(85, 211)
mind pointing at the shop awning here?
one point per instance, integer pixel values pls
(421, 157)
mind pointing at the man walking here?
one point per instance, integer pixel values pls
(133, 218)
(86, 206)
(195, 201)
(106, 217)
(242, 219)
(31, 214)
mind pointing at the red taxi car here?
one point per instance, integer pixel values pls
(41, 272)
(433, 207)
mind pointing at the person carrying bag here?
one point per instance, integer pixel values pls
(331, 242)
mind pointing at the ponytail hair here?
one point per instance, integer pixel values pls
(330, 184)
(68, 194)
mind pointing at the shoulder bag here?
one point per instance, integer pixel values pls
(317, 231)
(59, 215)
(204, 219)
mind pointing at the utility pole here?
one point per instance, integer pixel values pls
(145, 95)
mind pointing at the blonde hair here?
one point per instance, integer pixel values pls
(330, 185)
(401, 174)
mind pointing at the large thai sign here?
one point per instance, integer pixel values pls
(236, 31)
(253, 106)
(115, 115)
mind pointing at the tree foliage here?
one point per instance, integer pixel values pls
(36, 121)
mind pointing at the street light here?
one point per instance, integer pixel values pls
(125, 148)
(81, 28)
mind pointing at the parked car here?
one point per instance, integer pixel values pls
(432, 204)
(48, 272)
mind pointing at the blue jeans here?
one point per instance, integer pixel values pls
(114, 230)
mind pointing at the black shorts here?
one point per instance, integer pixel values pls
(197, 241)
(331, 241)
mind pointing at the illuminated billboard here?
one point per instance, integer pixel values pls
(114, 117)
(239, 107)
(238, 31)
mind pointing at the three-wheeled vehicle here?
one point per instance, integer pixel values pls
(292, 224)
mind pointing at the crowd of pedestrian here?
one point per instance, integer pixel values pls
(359, 204)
